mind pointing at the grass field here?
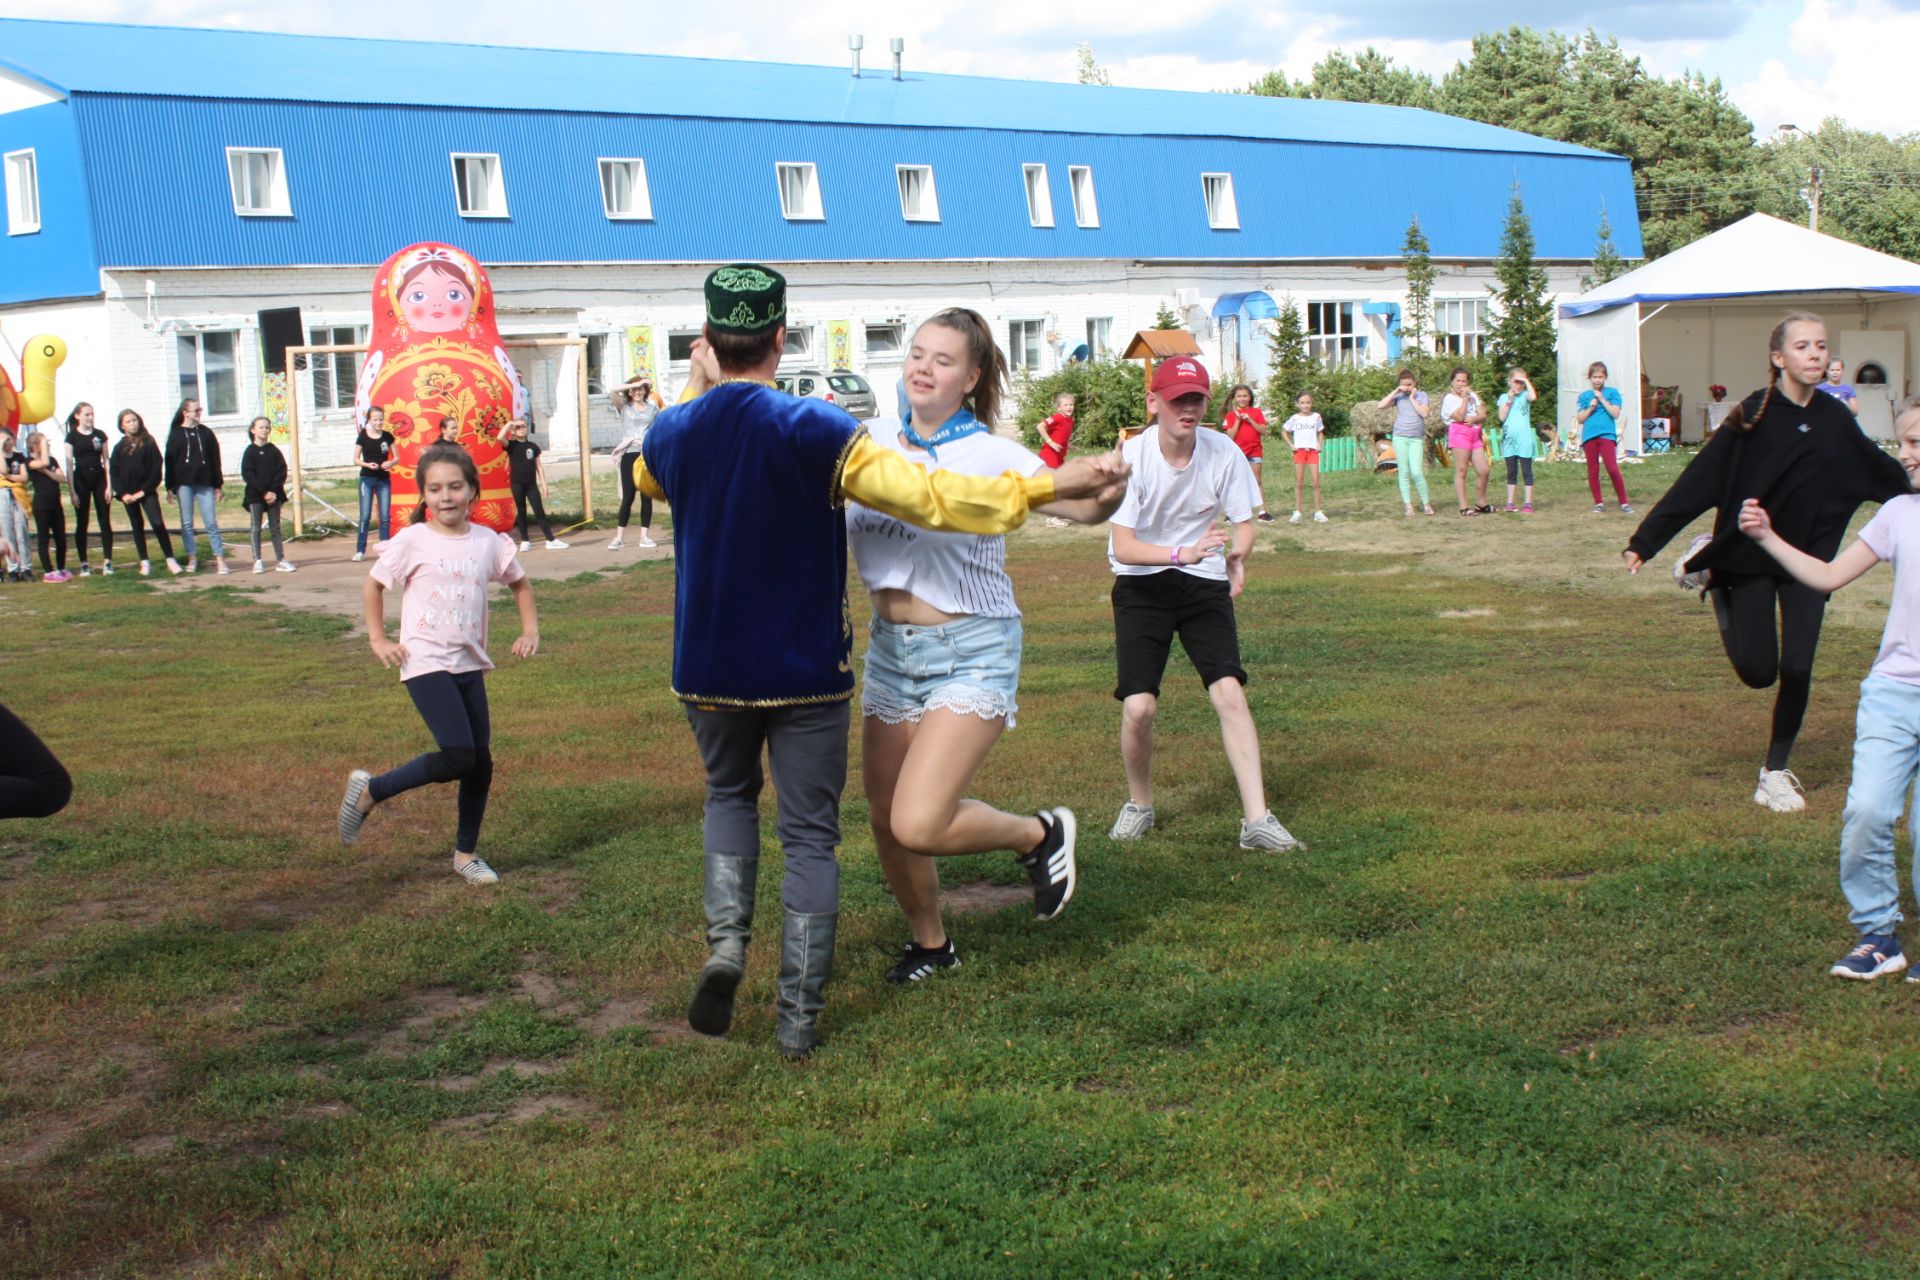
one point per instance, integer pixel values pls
(1547, 997)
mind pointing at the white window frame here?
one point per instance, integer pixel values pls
(198, 391)
(811, 208)
(642, 210)
(687, 336)
(23, 192)
(1016, 349)
(929, 207)
(1339, 346)
(1086, 203)
(594, 356)
(496, 184)
(1039, 194)
(1094, 345)
(799, 344)
(1223, 211)
(279, 201)
(896, 333)
(1459, 338)
(340, 390)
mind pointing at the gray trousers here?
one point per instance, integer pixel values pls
(807, 755)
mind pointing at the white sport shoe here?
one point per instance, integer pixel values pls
(358, 556)
(617, 543)
(645, 541)
(475, 871)
(1699, 579)
(259, 566)
(1294, 518)
(554, 544)
(1135, 820)
(1319, 517)
(285, 566)
(1779, 791)
(526, 546)
(1267, 833)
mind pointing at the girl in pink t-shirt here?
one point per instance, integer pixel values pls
(442, 564)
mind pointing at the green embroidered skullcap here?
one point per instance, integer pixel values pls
(746, 298)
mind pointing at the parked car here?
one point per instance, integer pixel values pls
(842, 387)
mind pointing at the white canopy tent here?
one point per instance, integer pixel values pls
(1701, 316)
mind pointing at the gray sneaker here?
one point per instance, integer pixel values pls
(351, 817)
(1699, 579)
(1267, 833)
(1135, 820)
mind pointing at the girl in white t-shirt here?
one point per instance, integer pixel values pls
(442, 564)
(942, 666)
(1466, 440)
(1304, 429)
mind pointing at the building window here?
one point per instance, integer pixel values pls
(1458, 324)
(258, 177)
(1023, 344)
(1100, 336)
(1039, 195)
(799, 191)
(680, 345)
(886, 341)
(596, 356)
(334, 376)
(1333, 335)
(918, 200)
(1223, 214)
(623, 189)
(209, 372)
(1086, 210)
(799, 344)
(23, 193)
(479, 186)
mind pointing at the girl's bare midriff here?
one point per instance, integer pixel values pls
(898, 605)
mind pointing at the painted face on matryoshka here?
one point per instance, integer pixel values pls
(435, 298)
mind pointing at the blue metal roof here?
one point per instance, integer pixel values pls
(76, 58)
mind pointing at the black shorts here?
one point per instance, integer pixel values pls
(1150, 608)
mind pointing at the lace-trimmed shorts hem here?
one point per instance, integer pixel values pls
(970, 667)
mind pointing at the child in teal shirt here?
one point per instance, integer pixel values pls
(1519, 442)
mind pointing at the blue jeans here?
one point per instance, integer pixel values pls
(369, 487)
(1886, 757)
(970, 666)
(202, 497)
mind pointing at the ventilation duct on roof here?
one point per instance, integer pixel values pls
(898, 46)
(856, 43)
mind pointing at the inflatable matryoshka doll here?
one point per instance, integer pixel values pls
(436, 352)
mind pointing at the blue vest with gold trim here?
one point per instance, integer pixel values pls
(759, 545)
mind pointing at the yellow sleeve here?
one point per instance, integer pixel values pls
(687, 393)
(643, 479)
(876, 476)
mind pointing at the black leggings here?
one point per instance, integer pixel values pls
(455, 709)
(51, 519)
(91, 486)
(628, 491)
(32, 782)
(1744, 607)
(148, 507)
(1522, 466)
(524, 492)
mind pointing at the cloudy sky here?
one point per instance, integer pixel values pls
(1783, 61)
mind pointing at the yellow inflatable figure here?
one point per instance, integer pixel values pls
(34, 400)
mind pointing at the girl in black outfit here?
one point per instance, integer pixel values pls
(87, 473)
(49, 513)
(33, 784)
(528, 479)
(263, 469)
(134, 473)
(1802, 454)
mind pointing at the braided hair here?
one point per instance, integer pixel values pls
(1776, 343)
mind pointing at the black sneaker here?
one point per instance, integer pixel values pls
(1050, 866)
(918, 963)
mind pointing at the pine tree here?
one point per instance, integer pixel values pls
(1607, 262)
(1522, 331)
(1165, 319)
(1287, 356)
(1417, 319)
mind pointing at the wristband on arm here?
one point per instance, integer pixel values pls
(1173, 556)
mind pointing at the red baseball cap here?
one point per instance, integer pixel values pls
(1180, 376)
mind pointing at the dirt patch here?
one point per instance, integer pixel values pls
(552, 1104)
(436, 1003)
(518, 1067)
(981, 896)
(544, 992)
(1463, 613)
(1741, 1031)
(622, 1012)
(46, 1136)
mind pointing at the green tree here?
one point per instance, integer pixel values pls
(1091, 72)
(1869, 185)
(1522, 330)
(1287, 357)
(1370, 77)
(1164, 318)
(1607, 262)
(1108, 394)
(1417, 319)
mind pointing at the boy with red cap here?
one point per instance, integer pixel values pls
(1176, 571)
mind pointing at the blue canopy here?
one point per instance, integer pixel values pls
(1253, 302)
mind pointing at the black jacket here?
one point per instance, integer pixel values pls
(193, 457)
(130, 469)
(1811, 469)
(263, 468)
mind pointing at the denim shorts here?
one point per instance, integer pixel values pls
(971, 666)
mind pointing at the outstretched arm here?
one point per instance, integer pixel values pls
(946, 501)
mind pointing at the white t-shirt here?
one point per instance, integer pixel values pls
(1894, 535)
(960, 573)
(1455, 409)
(1305, 430)
(1172, 507)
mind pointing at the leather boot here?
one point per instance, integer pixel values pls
(806, 962)
(728, 892)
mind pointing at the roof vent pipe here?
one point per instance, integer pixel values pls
(897, 44)
(856, 43)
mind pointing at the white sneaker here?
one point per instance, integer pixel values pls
(1135, 820)
(476, 871)
(107, 568)
(1267, 833)
(526, 546)
(173, 566)
(617, 543)
(285, 566)
(645, 541)
(358, 556)
(1779, 791)
(146, 568)
(259, 566)
(554, 544)
(1294, 518)
(1319, 517)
